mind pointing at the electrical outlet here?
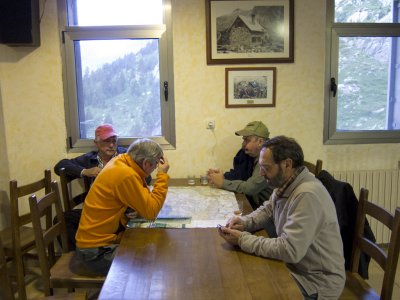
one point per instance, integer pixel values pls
(210, 124)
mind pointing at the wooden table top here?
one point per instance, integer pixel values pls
(195, 263)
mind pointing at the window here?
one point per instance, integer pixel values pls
(118, 70)
(362, 102)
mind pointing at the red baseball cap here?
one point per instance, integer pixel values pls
(105, 131)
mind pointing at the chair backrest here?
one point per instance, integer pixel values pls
(46, 238)
(18, 239)
(6, 291)
(387, 260)
(17, 192)
(67, 191)
(315, 169)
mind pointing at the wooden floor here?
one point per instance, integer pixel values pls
(34, 284)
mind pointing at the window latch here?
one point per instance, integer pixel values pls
(333, 86)
(166, 90)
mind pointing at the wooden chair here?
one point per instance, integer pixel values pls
(356, 287)
(6, 291)
(315, 169)
(66, 271)
(19, 239)
(69, 199)
(73, 191)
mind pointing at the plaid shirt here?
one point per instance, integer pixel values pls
(101, 164)
(281, 190)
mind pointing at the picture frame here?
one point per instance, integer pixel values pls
(250, 87)
(246, 32)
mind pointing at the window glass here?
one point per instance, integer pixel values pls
(363, 83)
(118, 70)
(362, 73)
(364, 11)
(120, 86)
(115, 12)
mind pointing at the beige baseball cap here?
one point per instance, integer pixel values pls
(254, 128)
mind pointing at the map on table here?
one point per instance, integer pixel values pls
(194, 206)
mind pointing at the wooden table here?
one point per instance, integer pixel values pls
(193, 263)
(196, 263)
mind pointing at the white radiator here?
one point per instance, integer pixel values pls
(384, 189)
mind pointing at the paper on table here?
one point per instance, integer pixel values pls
(199, 206)
(177, 223)
(161, 223)
(199, 202)
(205, 223)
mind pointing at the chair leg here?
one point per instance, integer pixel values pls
(20, 276)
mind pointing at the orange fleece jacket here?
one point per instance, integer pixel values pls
(119, 185)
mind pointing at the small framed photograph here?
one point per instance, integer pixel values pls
(244, 32)
(250, 87)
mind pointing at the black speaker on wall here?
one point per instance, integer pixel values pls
(19, 23)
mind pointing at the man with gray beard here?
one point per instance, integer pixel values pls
(304, 215)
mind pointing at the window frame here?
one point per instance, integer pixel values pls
(333, 33)
(69, 34)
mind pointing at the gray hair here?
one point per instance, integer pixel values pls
(145, 149)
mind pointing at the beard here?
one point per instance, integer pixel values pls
(278, 180)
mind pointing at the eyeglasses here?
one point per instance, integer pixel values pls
(248, 139)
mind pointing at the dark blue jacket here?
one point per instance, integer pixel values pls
(346, 204)
(73, 167)
(243, 166)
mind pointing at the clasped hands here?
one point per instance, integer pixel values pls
(215, 177)
(232, 230)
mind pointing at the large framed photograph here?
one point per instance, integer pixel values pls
(243, 32)
(250, 87)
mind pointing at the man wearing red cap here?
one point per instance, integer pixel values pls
(89, 166)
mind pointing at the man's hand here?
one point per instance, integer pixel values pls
(235, 223)
(230, 235)
(163, 165)
(216, 178)
(212, 170)
(92, 172)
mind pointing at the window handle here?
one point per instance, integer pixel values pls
(166, 90)
(333, 86)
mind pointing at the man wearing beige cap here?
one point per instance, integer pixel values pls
(256, 189)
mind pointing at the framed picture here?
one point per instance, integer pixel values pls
(243, 32)
(250, 87)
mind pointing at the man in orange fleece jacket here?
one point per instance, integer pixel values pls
(121, 184)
